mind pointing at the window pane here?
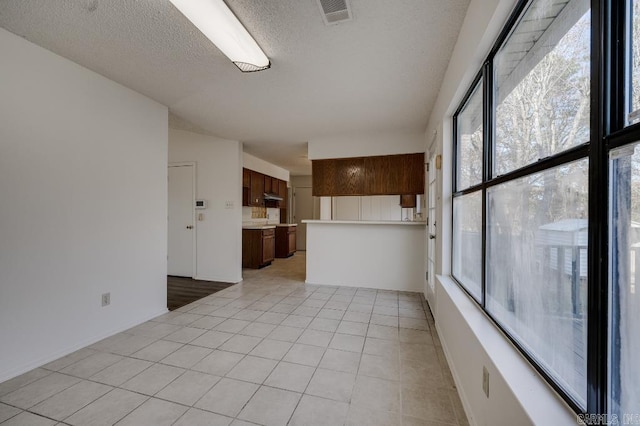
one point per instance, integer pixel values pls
(625, 279)
(469, 129)
(537, 268)
(634, 117)
(467, 242)
(542, 78)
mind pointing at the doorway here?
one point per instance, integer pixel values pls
(431, 230)
(303, 207)
(181, 221)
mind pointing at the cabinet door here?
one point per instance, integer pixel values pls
(292, 241)
(257, 189)
(267, 184)
(413, 179)
(246, 178)
(268, 248)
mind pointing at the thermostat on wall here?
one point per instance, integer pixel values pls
(201, 204)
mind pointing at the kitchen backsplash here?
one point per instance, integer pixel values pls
(260, 215)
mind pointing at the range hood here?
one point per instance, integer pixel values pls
(272, 197)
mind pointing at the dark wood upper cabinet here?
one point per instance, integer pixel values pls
(267, 184)
(343, 176)
(378, 175)
(246, 178)
(257, 189)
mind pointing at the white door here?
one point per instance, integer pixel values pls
(181, 221)
(302, 210)
(431, 231)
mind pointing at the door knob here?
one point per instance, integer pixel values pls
(432, 237)
(189, 227)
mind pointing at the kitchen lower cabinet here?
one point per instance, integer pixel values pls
(258, 247)
(285, 241)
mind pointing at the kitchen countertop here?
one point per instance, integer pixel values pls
(367, 222)
(258, 227)
(282, 225)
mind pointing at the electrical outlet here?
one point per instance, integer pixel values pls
(485, 381)
(228, 204)
(106, 299)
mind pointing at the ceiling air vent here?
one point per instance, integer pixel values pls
(334, 11)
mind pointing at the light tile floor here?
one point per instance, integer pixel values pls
(268, 351)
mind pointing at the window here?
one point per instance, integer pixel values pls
(522, 179)
(634, 48)
(469, 141)
(467, 207)
(537, 268)
(542, 84)
(467, 234)
(625, 280)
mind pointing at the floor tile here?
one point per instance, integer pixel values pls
(240, 344)
(331, 313)
(232, 325)
(129, 344)
(415, 336)
(258, 329)
(376, 394)
(272, 318)
(270, 407)
(203, 309)
(413, 313)
(315, 338)
(359, 416)
(252, 369)
(157, 350)
(356, 316)
(39, 390)
(347, 342)
(283, 308)
(121, 371)
(108, 409)
(416, 324)
(314, 411)
(188, 388)
(388, 320)
(286, 333)
(66, 361)
(381, 367)
(293, 377)
(7, 411)
(357, 307)
(212, 339)
(65, 403)
(331, 384)
(29, 419)
(337, 360)
(22, 380)
(153, 379)
(207, 322)
(306, 311)
(383, 332)
(248, 315)
(218, 363)
(324, 324)
(355, 328)
(187, 356)
(299, 321)
(380, 347)
(154, 412)
(227, 397)
(412, 421)
(427, 404)
(272, 349)
(195, 417)
(304, 354)
(185, 335)
(91, 365)
(225, 312)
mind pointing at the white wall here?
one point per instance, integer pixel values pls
(258, 165)
(83, 184)
(361, 254)
(517, 393)
(365, 144)
(218, 180)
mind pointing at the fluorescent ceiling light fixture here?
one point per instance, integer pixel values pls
(220, 25)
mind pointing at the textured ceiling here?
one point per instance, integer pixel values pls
(379, 72)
